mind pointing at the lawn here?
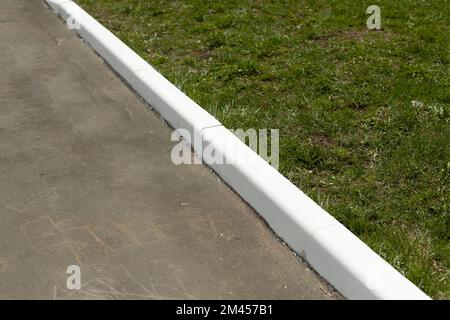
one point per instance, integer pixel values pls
(363, 114)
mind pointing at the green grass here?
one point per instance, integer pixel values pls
(341, 95)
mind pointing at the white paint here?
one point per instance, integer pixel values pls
(332, 250)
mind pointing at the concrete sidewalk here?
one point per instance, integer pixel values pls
(87, 180)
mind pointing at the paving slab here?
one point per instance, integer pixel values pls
(87, 180)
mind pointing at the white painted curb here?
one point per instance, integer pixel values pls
(332, 250)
